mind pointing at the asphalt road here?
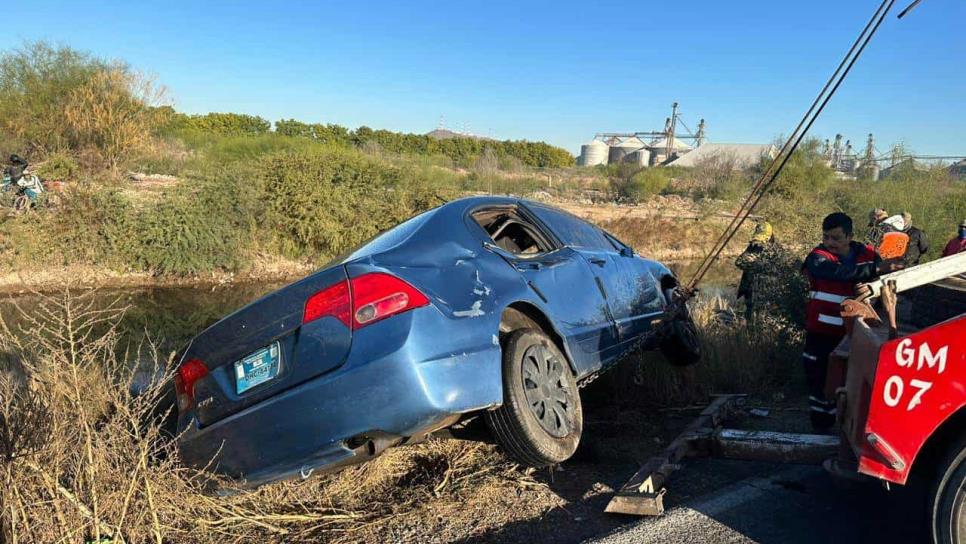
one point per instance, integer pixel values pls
(779, 504)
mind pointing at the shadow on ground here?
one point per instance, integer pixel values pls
(711, 500)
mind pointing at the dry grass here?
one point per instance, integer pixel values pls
(82, 460)
(736, 358)
(668, 238)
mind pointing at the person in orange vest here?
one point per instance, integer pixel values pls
(833, 270)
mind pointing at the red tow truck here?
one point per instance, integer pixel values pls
(902, 409)
(899, 377)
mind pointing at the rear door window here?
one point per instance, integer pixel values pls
(512, 232)
(571, 230)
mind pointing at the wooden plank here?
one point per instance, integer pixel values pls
(775, 446)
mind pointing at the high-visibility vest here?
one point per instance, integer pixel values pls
(893, 245)
(823, 314)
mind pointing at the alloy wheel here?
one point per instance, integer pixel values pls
(549, 398)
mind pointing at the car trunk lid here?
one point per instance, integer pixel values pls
(270, 345)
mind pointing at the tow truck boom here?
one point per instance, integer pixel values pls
(916, 276)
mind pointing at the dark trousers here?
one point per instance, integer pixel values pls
(818, 347)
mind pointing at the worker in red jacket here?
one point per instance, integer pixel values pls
(833, 269)
(957, 244)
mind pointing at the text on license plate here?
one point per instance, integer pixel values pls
(257, 368)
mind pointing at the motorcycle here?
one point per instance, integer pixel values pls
(27, 189)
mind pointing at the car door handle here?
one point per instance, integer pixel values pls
(524, 266)
(598, 261)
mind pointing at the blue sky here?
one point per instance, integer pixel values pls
(553, 71)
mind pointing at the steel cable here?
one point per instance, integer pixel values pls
(771, 173)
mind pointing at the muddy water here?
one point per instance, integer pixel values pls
(170, 316)
(721, 277)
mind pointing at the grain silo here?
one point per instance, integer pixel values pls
(593, 153)
(622, 152)
(641, 157)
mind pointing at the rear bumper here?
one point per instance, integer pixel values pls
(395, 385)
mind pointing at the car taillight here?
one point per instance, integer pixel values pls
(335, 301)
(188, 373)
(364, 300)
(377, 296)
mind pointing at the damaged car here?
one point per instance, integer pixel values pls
(486, 306)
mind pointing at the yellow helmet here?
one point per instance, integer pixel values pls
(763, 232)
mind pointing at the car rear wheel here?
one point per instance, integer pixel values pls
(948, 497)
(681, 344)
(540, 421)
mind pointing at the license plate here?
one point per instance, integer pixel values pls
(257, 368)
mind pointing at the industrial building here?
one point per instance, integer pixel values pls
(680, 147)
(743, 155)
(906, 166)
(671, 146)
(873, 164)
(958, 170)
(647, 148)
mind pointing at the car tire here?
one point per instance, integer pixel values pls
(948, 498)
(681, 344)
(540, 421)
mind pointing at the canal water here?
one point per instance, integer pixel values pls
(170, 316)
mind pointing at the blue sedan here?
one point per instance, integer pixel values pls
(485, 306)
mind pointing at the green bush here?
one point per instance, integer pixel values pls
(464, 151)
(222, 124)
(327, 134)
(61, 99)
(201, 228)
(242, 149)
(642, 185)
(36, 86)
(59, 166)
(936, 202)
(805, 173)
(324, 202)
(91, 226)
